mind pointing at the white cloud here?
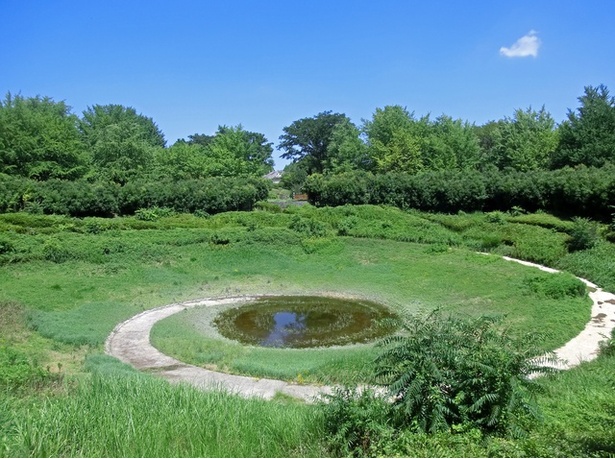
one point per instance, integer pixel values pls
(525, 46)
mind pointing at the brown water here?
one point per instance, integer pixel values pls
(306, 321)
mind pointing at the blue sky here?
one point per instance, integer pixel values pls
(194, 65)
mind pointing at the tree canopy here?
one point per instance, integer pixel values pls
(524, 142)
(307, 140)
(588, 135)
(39, 139)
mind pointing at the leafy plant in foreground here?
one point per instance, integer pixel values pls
(450, 373)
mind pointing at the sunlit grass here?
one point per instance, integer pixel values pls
(74, 280)
(124, 415)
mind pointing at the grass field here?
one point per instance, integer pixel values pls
(65, 283)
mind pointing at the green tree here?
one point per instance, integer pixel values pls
(524, 142)
(122, 142)
(182, 160)
(249, 150)
(448, 371)
(232, 151)
(486, 135)
(39, 139)
(308, 139)
(200, 139)
(346, 151)
(588, 135)
(295, 176)
(451, 144)
(98, 118)
(394, 139)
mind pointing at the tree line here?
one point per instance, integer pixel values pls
(396, 140)
(393, 157)
(42, 139)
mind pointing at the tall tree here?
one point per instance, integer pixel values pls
(100, 117)
(394, 139)
(39, 139)
(250, 151)
(524, 142)
(231, 151)
(451, 144)
(122, 142)
(307, 140)
(346, 151)
(588, 135)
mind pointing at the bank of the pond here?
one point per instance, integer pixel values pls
(130, 343)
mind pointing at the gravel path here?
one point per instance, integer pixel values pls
(129, 342)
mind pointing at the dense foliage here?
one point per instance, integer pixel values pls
(39, 139)
(435, 164)
(83, 198)
(585, 191)
(454, 372)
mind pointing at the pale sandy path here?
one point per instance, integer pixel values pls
(586, 345)
(129, 342)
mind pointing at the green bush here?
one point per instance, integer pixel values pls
(55, 251)
(357, 422)
(557, 285)
(153, 214)
(18, 372)
(345, 226)
(81, 198)
(6, 246)
(449, 372)
(308, 227)
(583, 234)
(584, 192)
(268, 206)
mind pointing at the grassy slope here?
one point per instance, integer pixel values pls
(423, 280)
(78, 278)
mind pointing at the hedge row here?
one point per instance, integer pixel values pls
(102, 199)
(583, 192)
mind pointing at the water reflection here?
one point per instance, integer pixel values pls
(285, 323)
(300, 322)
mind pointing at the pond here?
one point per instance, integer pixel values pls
(306, 321)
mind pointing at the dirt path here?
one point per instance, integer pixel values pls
(129, 342)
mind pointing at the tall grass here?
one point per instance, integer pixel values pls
(139, 416)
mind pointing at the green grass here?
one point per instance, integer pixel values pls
(131, 415)
(455, 280)
(65, 283)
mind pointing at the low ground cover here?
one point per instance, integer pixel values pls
(67, 282)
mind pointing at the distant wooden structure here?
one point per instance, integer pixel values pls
(300, 197)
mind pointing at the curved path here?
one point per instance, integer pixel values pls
(129, 342)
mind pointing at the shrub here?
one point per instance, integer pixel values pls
(268, 206)
(583, 234)
(6, 246)
(584, 192)
(18, 371)
(54, 251)
(557, 285)
(449, 371)
(345, 226)
(308, 226)
(356, 422)
(153, 214)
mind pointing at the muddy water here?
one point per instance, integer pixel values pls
(306, 321)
